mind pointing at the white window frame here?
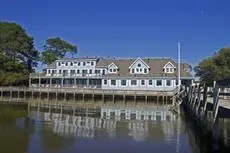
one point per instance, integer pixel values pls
(151, 82)
(125, 82)
(167, 84)
(133, 84)
(112, 83)
(142, 82)
(158, 85)
(105, 82)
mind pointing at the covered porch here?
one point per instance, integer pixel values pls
(65, 82)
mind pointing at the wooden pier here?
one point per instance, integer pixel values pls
(73, 96)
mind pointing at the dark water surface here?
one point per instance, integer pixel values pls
(144, 131)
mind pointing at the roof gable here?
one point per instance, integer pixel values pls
(169, 63)
(139, 59)
(112, 65)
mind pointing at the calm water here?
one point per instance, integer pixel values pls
(143, 130)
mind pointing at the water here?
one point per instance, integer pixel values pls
(145, 130)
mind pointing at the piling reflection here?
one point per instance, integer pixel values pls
(139, 124)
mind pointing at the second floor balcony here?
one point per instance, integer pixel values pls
(34, 75)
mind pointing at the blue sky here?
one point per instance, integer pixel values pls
(127, 28)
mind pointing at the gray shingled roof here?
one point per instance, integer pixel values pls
(156, 67)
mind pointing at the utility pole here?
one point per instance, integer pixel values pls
(179, 47)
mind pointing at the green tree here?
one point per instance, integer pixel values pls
(18, 56)
(214, 68)
(56, 48)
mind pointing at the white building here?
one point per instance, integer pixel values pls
(116, 74)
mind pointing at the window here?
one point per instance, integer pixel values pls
(137, 70)
(150, 82)
(145, 70)
(59, 64)
(92, 63)
(142, 82)
(71, 63)
(90, 71)
(167, 70)
(87, 62)
(72, 71)
(84, 71)
(83, 63)
(113, 82)
(79, 63)
(133, 82)
(140, 69)
(159, 83)
(66, 64)
(63, 62)
(99, 71)
(53, 71)
(123, 82)
(114, 70)
(48, 71)
(132, 70)
(177, 82)
(59, 71)
(171, 70)
(110, 70)
(103, 72)
(168, 82)
(139, 65)
(78, 71)
(105, 82)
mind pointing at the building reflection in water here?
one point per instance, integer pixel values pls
(138, 123)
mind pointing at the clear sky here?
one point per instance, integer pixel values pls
(127, 28)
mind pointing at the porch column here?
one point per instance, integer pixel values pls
(50, 82)
(62, 81)
(87, 82)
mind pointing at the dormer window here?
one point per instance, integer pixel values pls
(113, 68)
(139, 66)
(132, 70)
(83, 63)
(169, 68)
(71, 63)
(59, 64)
(66, 64)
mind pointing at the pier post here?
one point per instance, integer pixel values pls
(18, 95)
(74, 96)
(113, 98)
(32, 94)
(24, 94)
(61, 110)
(157, 100)
(11, 93)
(163, 99)
(62, 81)
(65, 96)
(1, 93)
(83, 97)
(135, 99)
(124, 99)
(146, 99)
(39, 82)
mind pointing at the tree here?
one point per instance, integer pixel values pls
(18, 56)
(214, 68)
(56, 48)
